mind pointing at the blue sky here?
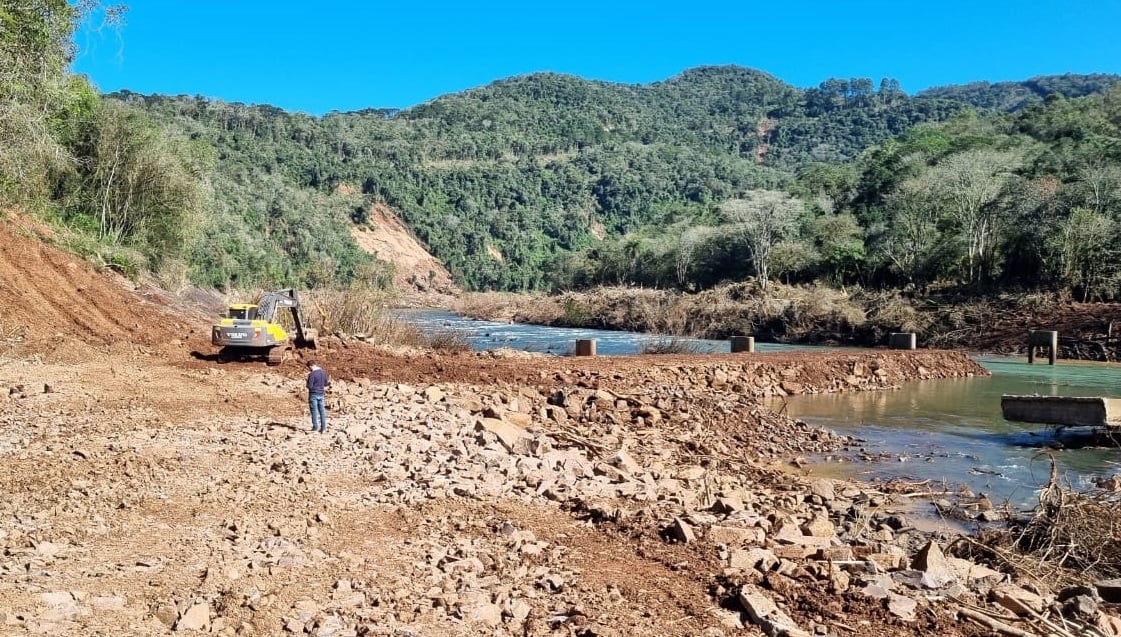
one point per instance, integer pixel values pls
(348, 55)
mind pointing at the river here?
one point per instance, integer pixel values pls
(939, 431)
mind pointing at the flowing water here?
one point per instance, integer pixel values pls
(938, 430)
(485, 335)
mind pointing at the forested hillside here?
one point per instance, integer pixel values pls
(1013, 96)
(548, 181)
(506, 181)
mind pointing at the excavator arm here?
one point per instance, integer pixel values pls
(271, 302)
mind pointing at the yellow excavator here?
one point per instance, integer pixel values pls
(251, 330)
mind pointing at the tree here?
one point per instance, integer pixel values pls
(913, 232)
(141, 186)
(1085, 243)
(1101, 183)
(763, 218)
(34, 51)
(686, 254)
(35, 88)
(968, 185)
(840, 243)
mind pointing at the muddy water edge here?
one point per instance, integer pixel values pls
(948, 433)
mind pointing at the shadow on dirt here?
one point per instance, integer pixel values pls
(212, 357)
(285, 425)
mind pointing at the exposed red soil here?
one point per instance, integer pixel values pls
(48, 292)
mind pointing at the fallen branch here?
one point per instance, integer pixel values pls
(993, 624)
(578, 440)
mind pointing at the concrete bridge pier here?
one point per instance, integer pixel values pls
(742, 344)
(1046, 339)
(585, 347)
(901, 340)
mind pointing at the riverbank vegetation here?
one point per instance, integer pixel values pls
(820, 314)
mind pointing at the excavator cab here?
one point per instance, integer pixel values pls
(242, 312)
(251, 330)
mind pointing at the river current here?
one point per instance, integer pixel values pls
(932, 432)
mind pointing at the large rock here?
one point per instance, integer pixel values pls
(936, 570)
(486, 613)
(901, 606)
(762, 559)
(733, 535)
(197, 617)
(789, 532)
(625, 461)
(1018, 600)
(767, 616)
(819, 526)
(513, 437)
(823, 489)
(975, 574)
(682, 531)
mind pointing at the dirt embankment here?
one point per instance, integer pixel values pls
(143, 490)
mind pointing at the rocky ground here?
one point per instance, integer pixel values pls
(146, 489)
(606, 497)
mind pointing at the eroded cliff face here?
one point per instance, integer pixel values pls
(386, 237)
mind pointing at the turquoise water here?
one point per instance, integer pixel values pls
(941, 431)
(952, 431)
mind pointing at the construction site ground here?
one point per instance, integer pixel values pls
(147, 488)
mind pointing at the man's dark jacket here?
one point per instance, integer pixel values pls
(317, 381)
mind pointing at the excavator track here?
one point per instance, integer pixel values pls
(275, 356)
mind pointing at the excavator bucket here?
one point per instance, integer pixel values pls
(308, 338)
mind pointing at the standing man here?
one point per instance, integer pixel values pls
(317, 383)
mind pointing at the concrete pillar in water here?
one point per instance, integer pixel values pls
(901, 340)
(1046, 339)
(742, 344)
(585, 347)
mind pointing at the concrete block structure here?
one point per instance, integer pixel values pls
(1070, 411)
(1048, 340)
(742, 344)
(901, 340)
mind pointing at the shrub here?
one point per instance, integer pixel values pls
(355, 311)
(671, 345)
(447, 341)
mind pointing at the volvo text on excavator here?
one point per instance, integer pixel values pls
(251, 330)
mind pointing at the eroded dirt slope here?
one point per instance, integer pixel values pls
(51, 298)
(385, 237)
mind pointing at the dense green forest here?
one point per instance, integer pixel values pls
(551, 181)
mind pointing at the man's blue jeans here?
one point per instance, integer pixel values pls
(318, 412)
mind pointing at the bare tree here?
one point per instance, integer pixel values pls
(686, 253)
(763, 218)
(913, 231)
(1101, 184)
(968, 185)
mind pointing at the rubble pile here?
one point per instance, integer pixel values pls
(587, 503)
